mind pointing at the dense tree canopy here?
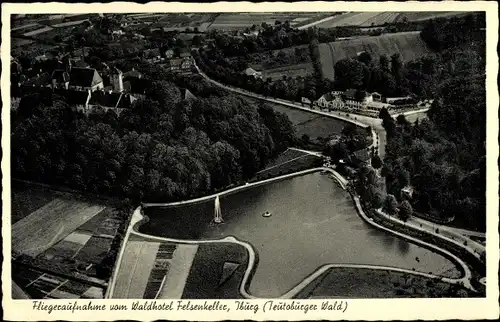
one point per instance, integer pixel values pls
(163, 148)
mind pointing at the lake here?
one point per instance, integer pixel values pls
(313, 223)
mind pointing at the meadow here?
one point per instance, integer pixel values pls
(408, 44)
(302, 70)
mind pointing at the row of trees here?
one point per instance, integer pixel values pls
(164, 148)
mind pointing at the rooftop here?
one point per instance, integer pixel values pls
(85, 77)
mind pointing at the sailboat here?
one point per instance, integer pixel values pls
(217, 215)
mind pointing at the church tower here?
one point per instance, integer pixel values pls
(117, 80)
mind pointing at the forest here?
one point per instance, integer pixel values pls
(444, 157)
(164, 148)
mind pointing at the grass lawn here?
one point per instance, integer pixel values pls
(26, 199)
(204, 280)
(367, 283)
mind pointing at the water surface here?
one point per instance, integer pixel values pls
(313, 223)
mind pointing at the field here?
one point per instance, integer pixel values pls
(289, 71)
(367, 19)
(152, 269)
(235, 21)
(39, 285)
(338, 282)
(183, 21)
(86, 246)
(408, 44)
(49, 224)
(137, 263)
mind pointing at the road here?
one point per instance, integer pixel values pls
(316, 22)
(380, 141)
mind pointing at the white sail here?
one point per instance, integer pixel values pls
(218, 215)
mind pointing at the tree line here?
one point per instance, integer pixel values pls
(164, 148)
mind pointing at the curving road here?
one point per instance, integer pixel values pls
(379, 140)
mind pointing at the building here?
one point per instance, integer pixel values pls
(391, 100)
(252, 72)
(152, 55)
(251, 34)
(179, 65)
(169, 54)
(78, 100)
(187, 95)
(184, 53)
(84, 79)
(305, 100)
(362, 97)
(407, 192)
(361, 157)
(330, 100)
(377, 97)
(117, 80)
(106, 101)
(60, 79)
(377, 106)
(40, 80)
(132, 73)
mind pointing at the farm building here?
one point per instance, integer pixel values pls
(252, 72)
(330, 100)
